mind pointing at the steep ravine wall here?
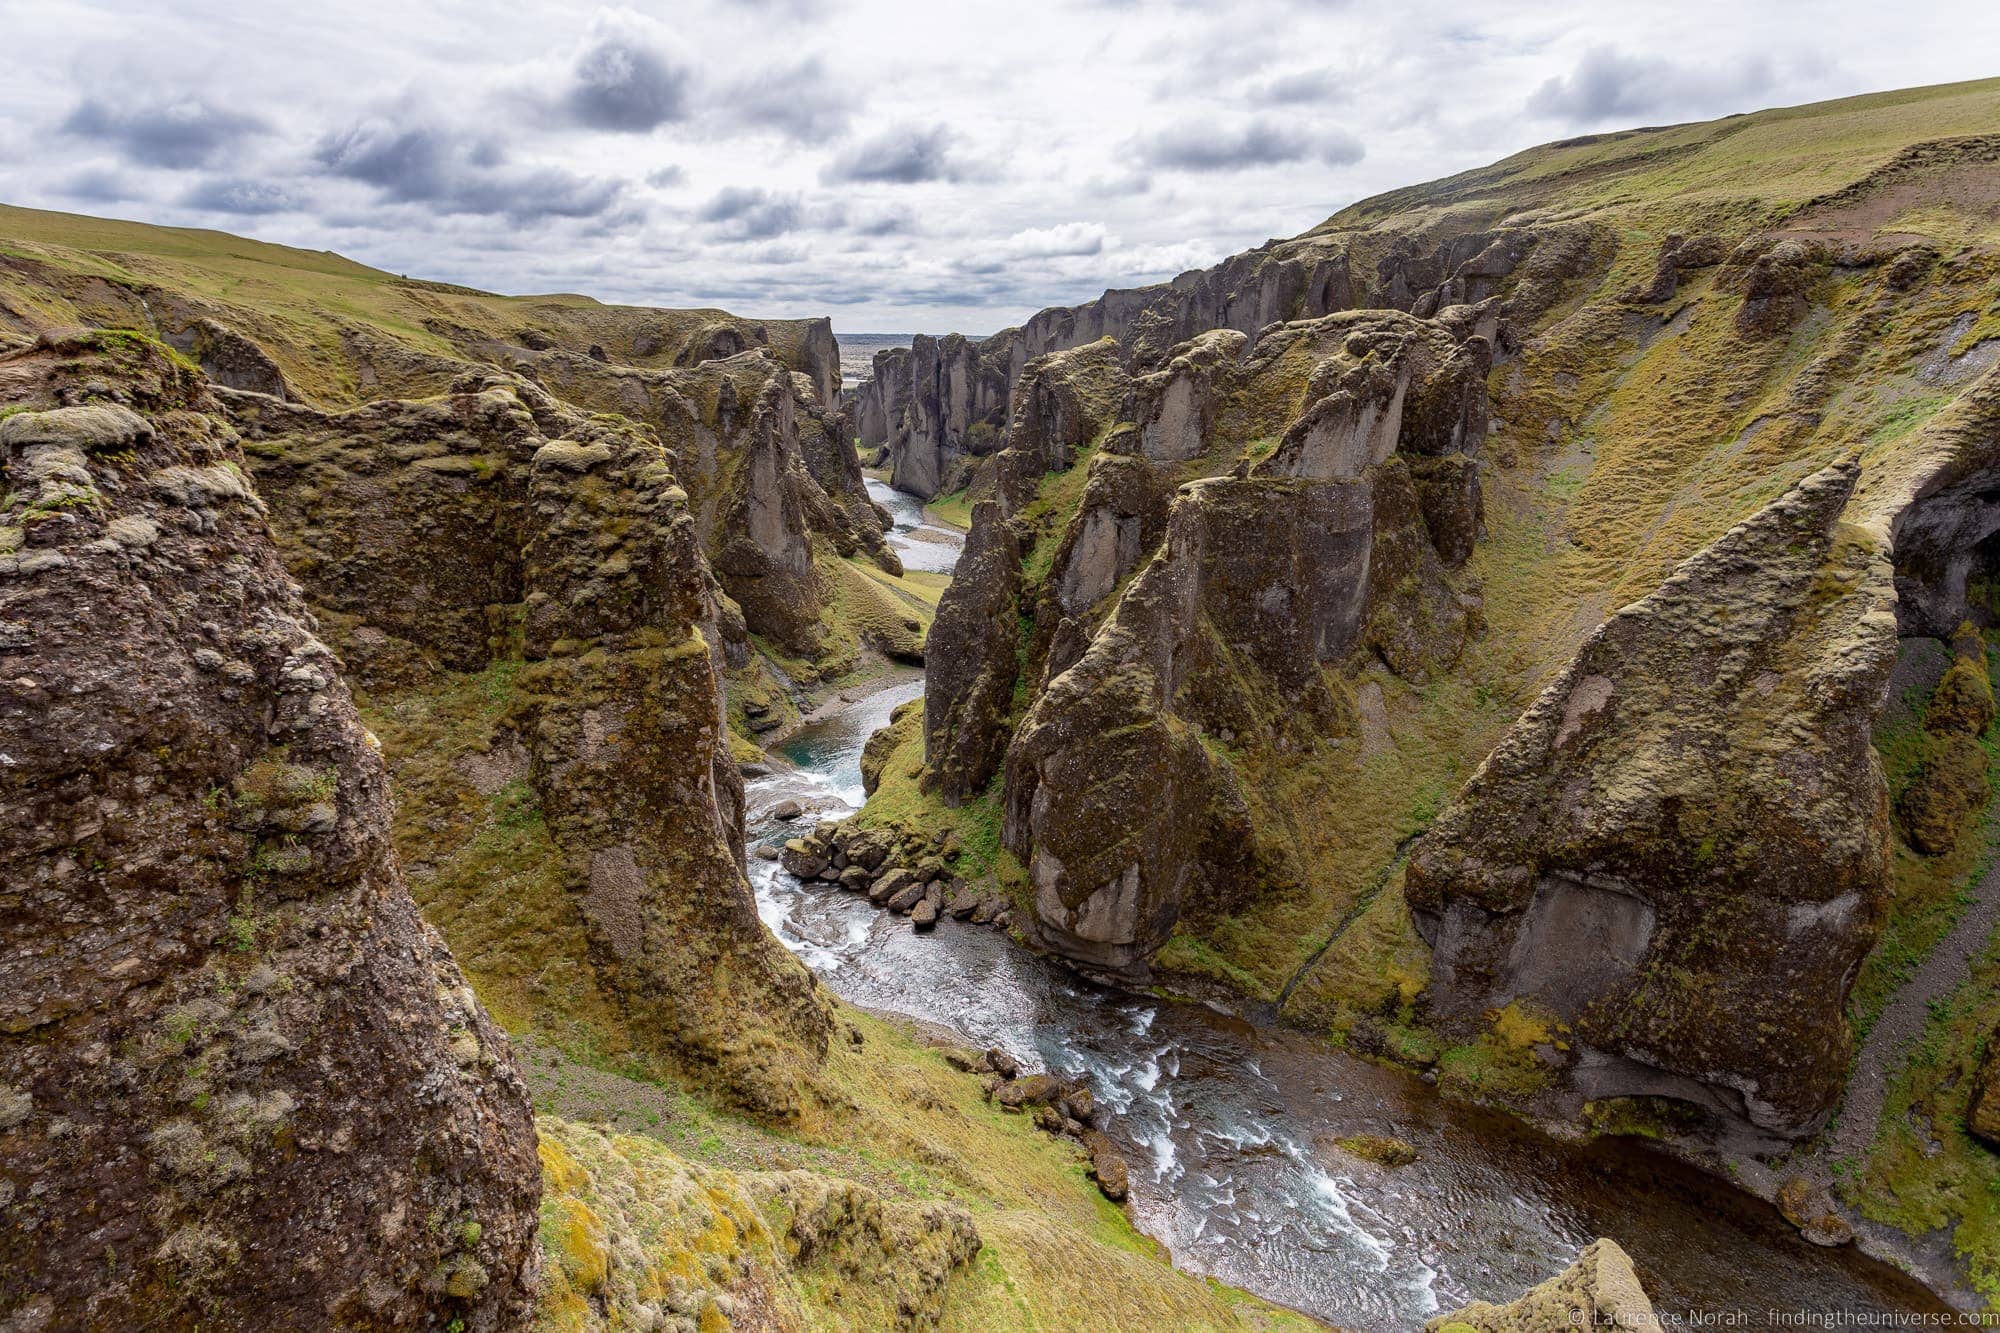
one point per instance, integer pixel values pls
(498, 525)
(240, 1080)
(1664, 368)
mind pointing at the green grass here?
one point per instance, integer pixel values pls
(298, 304)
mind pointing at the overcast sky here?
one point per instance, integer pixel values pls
(901, 166)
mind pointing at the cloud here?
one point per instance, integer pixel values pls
(95, 185)
(456, 173)
(1607, 85)
(667, 177)
(801, 102)
(243, 197)
(1067, 238)
(1205, 146)
(900, 155)
(1304, 88)
(753, 215)
(181, 133)
(621, 83)
(894, 222)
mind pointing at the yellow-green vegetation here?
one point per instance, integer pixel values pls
(1924, 1172)
(1500, 1064)
(971, 828)
(953, 510)
(1390, 786)
(1930, 891)
(340, 331)
(828, 1227)
(481, 864)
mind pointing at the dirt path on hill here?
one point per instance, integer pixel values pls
(1903, 1019)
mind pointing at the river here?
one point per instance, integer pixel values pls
(1230, 1126)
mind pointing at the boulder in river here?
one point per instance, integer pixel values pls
(1107, 1165)
(924, 916)
(1380, 1149)
(787, 810)
(800, 858)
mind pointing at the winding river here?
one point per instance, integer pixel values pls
(1230, 1126)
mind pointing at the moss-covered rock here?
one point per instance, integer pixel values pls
(633, 1234)
(1599, 1290)
(567, 551)
(1680, 851)
(240, 1080)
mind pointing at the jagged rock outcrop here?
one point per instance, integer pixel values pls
(971, 667)
(241, 1082)
(1120, 797)
(435, 533)
(1599, 1290)
(953, 406)
(769, 472)
(1680, 852)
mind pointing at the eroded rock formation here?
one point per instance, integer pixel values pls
(1599, 1290)
(241, 1082)
(497, 523)
(1171, 627)
(1680, 852)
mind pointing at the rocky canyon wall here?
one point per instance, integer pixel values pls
(240, 1080)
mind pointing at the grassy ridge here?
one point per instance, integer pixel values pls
(341, 331)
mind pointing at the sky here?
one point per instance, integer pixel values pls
(899, 166)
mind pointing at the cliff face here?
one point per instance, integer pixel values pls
(1232, 638)
(1680, 853)
(497, 526)
(938, 406)
(1192, 616)
(772, 482)
(240, 1080)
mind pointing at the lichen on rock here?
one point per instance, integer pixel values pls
(1680, 852)
(204, 920)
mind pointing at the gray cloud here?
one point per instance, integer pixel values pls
(95, 185)
(753, 215)
(900, 155)
(455, 173)
(183, 133)
(665, 178)
(1199, 146)
(620, 84)
(243, 197)
(1304, 88)
(1609, 85)
(801, 102)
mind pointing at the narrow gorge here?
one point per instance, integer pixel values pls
(1435, 773)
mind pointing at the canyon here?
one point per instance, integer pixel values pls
(520, 812)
